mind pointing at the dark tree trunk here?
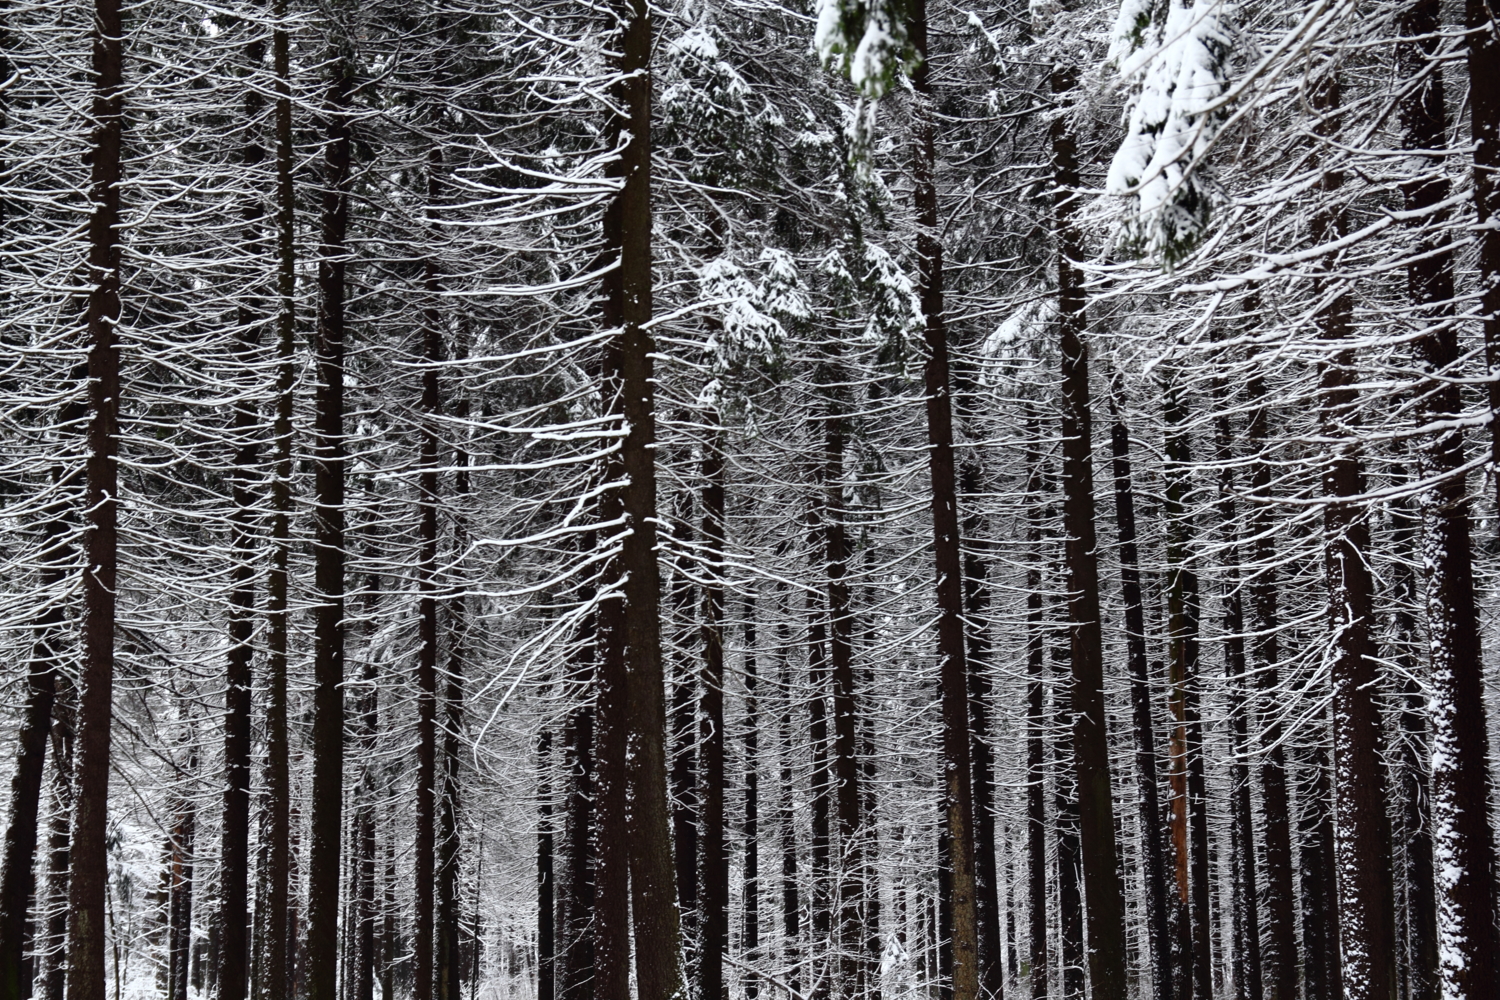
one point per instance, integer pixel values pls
(684, 735)
(1417, 918)
(1484, 123)
(17, 867)
(89, 867)
(449, 978)
(576, 880)
(1242, 818)
(1362, 848)
(1189, 801)
(1069, 855)
(328, 572)
(958, 793)
(714, 858)
(611, 838)
(791, 905)
(986, 876)
(1036, 727)
(428, 629)
(274, 981)
(1153, 845)
(180, 900)
(1280, 957)
(1101, 875)
(1320, 918)
(817, 736)
(751, 931)
(546, 952)
(1464, 838)
(51, 972)
(362, 976)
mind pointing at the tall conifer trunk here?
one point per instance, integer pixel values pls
(1101, 875)
(328, 572)
(89, 871)
(546, 941)
(953, 680)
(1153, 845)
(1036, 726)
(751, 868)
(1464, 836)
(713, 874)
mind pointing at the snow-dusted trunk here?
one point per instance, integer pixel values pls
(1189, 794)
(791, 904)
(683, 773)
(750, 942)
(1362, 844)
(429, 499)
(713, 873)
(89, 870)
(546, 944)
(1036, 725)
(1101, 875)
(576, 870)
(273, 983)
(448, 977)
(958, 800)
(821, 784)
(328, 573)
(1153, 844)
(1463, 837)
(1280, 954)
(1247, 956)
(1069, 853)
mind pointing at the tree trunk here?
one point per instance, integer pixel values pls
(51, 972)
(714, 857)
(429, 499)
(1464, 838)
(1484, 123)
(821, 853)
(1242, 817)
(953, 681)
(17, 867)
(1362, 847)
(449, 978)
(1069, 854)
(576, 881)
(89, 863)
(1153, 847)
(751, 931)
(1101, 876)
(791, 905)
(1280, 955)
(1320, 915)
(328, 616)
(684, 735)
(1417, 919)
(1036, 727)
(546, 952)
(274, 983)
(1189, 801)
(986, 876)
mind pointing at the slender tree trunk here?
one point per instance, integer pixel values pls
(751, 866)
(1464, 839)
(1189, 786)
(429, 499)
(1280, 955)
(17, 882)
(1036, 726)
(1320, 916)
(791, 904)
(1484, 122)
(449, 979)
(328, 573)
(684, 735)
(986, 879)
(1242, 817)
(1069, 854)
(546, 952)
(958, 800)
(274, 983)
(714, 872)
(180, 896)
(51, 973)
(821, 852)
(1101, 876)
(1418, 916)
(1362, 847)
(1153, 846)
(89, 867)
(576, 884)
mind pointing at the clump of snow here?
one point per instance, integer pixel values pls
(1174, 58)
(865, 39)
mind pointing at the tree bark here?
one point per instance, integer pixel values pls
(751, 865)
(791, 905)
(1362, 846)
(1484, 122)
(1101, 876)
(89, 863)
(546, 951)
(1036, 725)
(1153, 846)
(684, 735)
(1464, 837)
(576, 881)
(713, 874)
(328, 572)
(449, 976)
(1280, 955)
(953, 680)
